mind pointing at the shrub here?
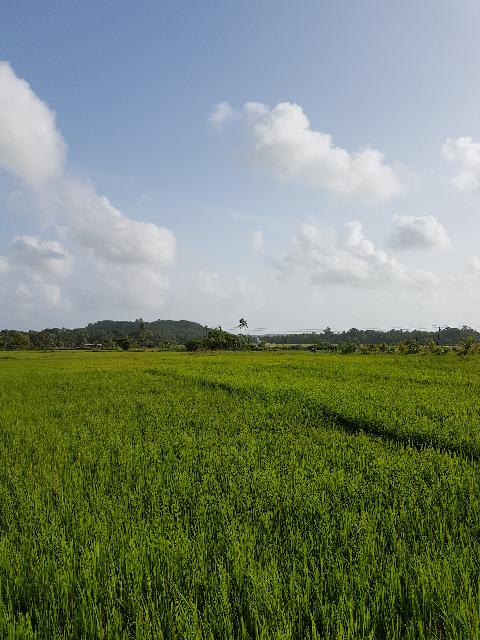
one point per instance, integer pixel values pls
(347, 347)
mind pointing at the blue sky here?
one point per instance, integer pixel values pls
(255, 215)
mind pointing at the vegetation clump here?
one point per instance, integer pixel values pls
(219, 340)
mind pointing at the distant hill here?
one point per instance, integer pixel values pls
(169, 330)
(107, 333)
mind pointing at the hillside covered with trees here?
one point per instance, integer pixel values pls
(107, 333)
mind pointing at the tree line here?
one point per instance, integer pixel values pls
(448, 336)
(111, 334)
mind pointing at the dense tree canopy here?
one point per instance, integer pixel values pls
(111, 334)
(107, 333)
(447, 336)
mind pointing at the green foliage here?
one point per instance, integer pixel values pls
(218, 340)
(432, 347)
(107, 333)
(162, 334)
(413, 346)
(14, 340)
(322, 345)
(159, 330)
(448, 336)
(125, 343)
(193, 345)
(247, 495)
(468, 346)
(347, 347)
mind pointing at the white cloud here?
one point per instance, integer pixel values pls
(257, 240)
(108, 259)
(347, 257)
(284, 143)
(464, 153)
(222, 289)
(418, 232)
(34, 272)
(30, 145)
(222, 114)
(40, 273)
(94, 223)
(47, 257)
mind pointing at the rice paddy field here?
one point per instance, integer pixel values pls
(247, 495)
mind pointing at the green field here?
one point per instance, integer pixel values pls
(263, 495)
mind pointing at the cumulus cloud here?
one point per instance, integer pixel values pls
(418, 232)
(464, 154)
(30, 145)
(41, 256)
(94, 223)
(40, 273)
(283, 143)
(347, 257)
(222, 114)
(106, 256)
(34, 272)
(229, 290)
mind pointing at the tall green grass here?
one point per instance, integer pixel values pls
(238, 496)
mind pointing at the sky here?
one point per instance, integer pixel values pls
(301, 165)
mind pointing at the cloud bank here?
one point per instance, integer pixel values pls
(347, 257)
(100, 256)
